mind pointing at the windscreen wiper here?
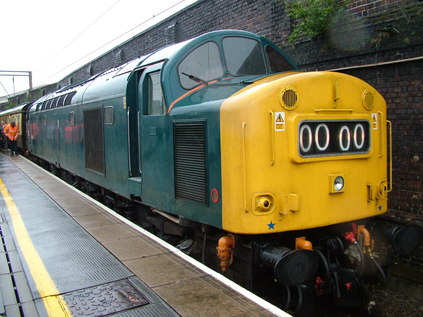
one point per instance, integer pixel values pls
(195, 78)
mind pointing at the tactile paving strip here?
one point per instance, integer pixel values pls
(104, 299)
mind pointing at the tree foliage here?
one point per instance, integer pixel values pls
(311, 17)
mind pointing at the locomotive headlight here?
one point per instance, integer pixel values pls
(336, 183)
(263, 202)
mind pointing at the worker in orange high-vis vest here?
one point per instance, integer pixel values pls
(12, 131)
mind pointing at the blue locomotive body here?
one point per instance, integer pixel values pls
(146, 130)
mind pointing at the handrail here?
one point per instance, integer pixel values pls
(381, 130)
(272, 138)
(244, 124)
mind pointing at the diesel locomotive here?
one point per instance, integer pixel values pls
(273, 175)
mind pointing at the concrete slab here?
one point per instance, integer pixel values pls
(132, 248)
(162, 269)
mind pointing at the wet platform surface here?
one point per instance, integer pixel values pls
(62, 254)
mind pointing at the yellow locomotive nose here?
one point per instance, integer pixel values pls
(302, 150)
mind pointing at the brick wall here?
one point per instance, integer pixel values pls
(402, 86)
(365, 8)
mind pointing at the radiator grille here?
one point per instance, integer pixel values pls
(94, 141)
(190, 161)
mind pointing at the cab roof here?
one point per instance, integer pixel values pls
(113, 82)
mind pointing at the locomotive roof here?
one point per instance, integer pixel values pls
(171, 84)
(112, 83)
(16, 109)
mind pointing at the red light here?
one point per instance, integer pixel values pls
(215, 196)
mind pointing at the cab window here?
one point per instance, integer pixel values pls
(200, 66)
(243, 56)
(277, 62)
(155, 103)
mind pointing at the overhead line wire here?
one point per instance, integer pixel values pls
(4, 89)
(79, 35)
(111, 41)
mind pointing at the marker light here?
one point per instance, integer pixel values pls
(338, 184)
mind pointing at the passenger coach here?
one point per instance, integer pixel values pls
(19, 115)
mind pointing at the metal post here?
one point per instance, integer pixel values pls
(30, 80)
(14, 73)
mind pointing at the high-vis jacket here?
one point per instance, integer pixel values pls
(11, 132)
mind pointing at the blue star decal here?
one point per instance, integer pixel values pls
(380, 207)
(271, 225)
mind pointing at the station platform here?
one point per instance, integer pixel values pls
(64, 254)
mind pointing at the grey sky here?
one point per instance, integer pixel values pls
(53, 37)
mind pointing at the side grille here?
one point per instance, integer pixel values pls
(94, 141)
(190, 161)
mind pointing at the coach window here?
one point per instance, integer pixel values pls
(108, 116)
(155, 94)
(200, 66)
(243, 56)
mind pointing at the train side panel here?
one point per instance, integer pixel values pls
(89, 138)
(196, 159)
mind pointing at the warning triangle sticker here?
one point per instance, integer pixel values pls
(279, 121)
(279, 118)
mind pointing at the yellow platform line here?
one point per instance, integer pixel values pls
(53, 301)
